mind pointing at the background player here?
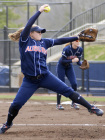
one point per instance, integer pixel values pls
(71, 53)
(33, 53)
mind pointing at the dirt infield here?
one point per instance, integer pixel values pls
(42, 121)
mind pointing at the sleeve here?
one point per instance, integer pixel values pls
(80, 56)
(79, 63)
(48, 42)
(26, 31)
(65, 60)
(64, 40)
(65, 54)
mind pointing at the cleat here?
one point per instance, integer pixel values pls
(4, 128)
(74, 105)
(95, 110)
(59, 107)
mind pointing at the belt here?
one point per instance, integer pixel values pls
(34, 77)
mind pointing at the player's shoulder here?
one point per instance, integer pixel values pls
(66, 50)
(67, 47)
(48, 42)
(80, 48)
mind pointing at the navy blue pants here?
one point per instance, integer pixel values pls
(63, 71)
(48, 81)
(67, 71)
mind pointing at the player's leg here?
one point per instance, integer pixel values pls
(72, 79)
(55, 84)
(25, 92)
(61, 75)
(59, 106)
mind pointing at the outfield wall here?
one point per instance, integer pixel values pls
(91, 81)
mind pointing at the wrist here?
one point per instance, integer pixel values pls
(40, 11)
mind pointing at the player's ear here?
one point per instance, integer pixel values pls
(30, 34)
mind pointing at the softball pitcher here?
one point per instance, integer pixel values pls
(72, 52)
(33, 53)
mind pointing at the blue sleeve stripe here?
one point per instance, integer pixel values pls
(25, 40)
(52, 43)
(64, 55)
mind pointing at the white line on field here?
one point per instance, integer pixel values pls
(58, 125)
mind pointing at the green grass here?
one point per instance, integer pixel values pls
(95, 52)
(53, 98)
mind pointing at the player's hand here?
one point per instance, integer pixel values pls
(75, 60)
(42, 8)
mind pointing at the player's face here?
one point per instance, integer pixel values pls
(36, 35)
(75, 44)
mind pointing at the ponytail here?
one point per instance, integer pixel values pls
(67, 44)
(16, 35)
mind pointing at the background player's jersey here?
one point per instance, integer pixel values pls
(69, 51)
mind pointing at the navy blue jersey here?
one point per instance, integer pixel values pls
(33, 56)
(69, 51)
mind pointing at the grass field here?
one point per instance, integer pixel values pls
(52, 97)
(95, 52)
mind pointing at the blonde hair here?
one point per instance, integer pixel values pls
(16, 35)
(67, 44)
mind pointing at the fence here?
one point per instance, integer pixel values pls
(91, 81)
(9, 72)
(93, 15)
(15, 14)
(54, 53)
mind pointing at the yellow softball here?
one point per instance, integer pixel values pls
(47, 9)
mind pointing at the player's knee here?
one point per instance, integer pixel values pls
(13, 110)
(17, 105)
(68, 92)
